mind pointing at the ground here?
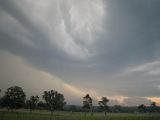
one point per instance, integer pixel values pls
(44, 115)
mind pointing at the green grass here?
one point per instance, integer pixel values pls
(24, 115)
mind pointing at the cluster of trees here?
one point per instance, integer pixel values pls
(152, 108)
(15, 98)
(103, 107)
(88, 106)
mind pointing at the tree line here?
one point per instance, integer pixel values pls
(15, 98)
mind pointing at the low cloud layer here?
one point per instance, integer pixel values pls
(102, 47)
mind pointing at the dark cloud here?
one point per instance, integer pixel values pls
(39, 51)
(133, 33)
(67, 39)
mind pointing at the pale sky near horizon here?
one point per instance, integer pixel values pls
(102, 47)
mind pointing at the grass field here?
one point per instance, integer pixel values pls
(74, 116)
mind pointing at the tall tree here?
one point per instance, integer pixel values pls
(142, 108)
(153, 104)
(153, 107)
(87, 103)
(32, 102)
(103, 104)
(54, 100)
(14, 98)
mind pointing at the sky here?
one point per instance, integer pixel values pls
(102, 47)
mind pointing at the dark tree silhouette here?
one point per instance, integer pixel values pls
(87, 104)
(54, 100)
(32, 102)
(142, 108)
(153, 107)
(14, 98)
(153, 104)
(103, 104)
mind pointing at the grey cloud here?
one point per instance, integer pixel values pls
(42, 51)
(133, 33)
(46, 37)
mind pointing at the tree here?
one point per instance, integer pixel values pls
(153, 107)
(14, 98)
(103, 104)
(153, 104)
(87, 103)
(54, 100)
(32, 102)
(142, 108)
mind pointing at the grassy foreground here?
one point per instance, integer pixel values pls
(74, 116)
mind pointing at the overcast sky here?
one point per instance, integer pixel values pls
(102, 47)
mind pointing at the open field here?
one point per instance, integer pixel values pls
(74, 116)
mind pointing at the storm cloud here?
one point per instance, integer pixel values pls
(103, 47)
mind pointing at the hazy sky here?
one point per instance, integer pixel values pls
(101, 47)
